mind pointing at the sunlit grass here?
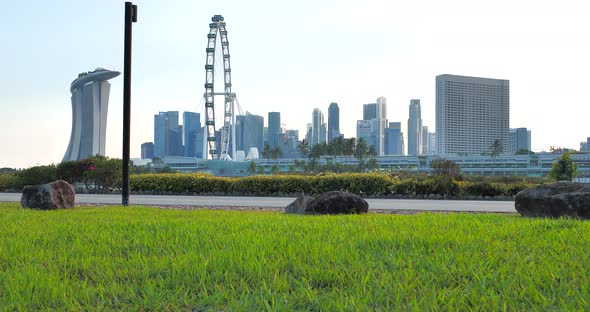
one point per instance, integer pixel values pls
(142, 258)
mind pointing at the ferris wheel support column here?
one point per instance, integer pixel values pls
(233, 129)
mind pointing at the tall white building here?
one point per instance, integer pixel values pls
(425, 141)
(431, 143)
(415, 128)
(318, 128)
(381, 125)
(90, 103)
(471, 113)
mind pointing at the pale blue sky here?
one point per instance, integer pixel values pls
(290, 57)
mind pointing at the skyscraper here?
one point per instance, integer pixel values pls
(318, 128)
(432, 143)
(193, 137)
(366, 129)
(381, 125)
(167, 135)
(523, 139)
(147, 150)
(90, 103)
(520, 139)
(415, 128)
(274, 128)
(249, 132)
(425, 141)
(369, 111)
(333, 122)
(471, 113)
(394, 139)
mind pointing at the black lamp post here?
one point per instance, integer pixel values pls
(130, 17)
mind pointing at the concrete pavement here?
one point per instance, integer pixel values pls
(280, 202)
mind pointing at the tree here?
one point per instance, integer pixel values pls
(266, 152)
(275, 169)
(276, 153)
(564, 168)
(73, 171)
(337, 146)
(495, 150)
(252, 168)
(299, 164)
(445, 172)
(318, 151)
(260, 169)
(360, 152)
(37, 175)
(372, 164)
(372, 151)
(106, 174)
(348, 148)
(303, 147)
(445, 167)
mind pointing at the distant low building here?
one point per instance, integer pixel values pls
(147, 150)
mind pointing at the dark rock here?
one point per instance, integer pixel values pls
(555, 200)
(336, 203)
(54, 195)
(298, 206)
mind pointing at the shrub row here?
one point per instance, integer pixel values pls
(179, 183)
(367, 184)
(358, 183)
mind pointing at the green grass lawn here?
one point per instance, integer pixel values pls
(142, 258)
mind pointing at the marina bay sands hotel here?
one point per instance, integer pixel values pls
(90, 103)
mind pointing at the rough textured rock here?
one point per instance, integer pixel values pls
(54, 195)
(298, 206)
(336, 203)
(555, 200)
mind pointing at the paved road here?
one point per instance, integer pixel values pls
(276, 202)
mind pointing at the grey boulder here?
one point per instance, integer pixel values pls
(54, 195)
(334, 202)
(555, 200)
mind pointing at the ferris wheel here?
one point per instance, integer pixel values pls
(218, 33)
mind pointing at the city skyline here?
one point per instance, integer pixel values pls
(401, 64)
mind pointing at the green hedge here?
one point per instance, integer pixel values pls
(493, 189)
(368, 184)
(358, 183)
(179, 183)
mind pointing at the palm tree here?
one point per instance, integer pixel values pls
(360, 152)
(318, 150)
(348, 147)
(372, 151)
(303, 147)
(276, 153)
(252, 168)
(337, 146)
(266, 152)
